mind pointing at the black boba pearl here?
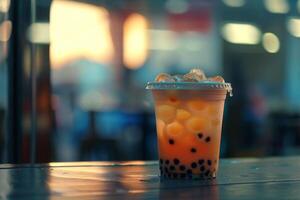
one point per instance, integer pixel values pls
(200, 135)
(161, 161)
(209, 162)
(169, 175)
(160, 168)
(171, 141)
(202, 168)
(182, 175)
(166, 170)
(194, 165)
(207, 172)
(182, 167)
(176, 161)
(167, 162)
(193, 150)
(175, 175)
(172, 168)
(201, 162)
(189, 171)
(207, 139)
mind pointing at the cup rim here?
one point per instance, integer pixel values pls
(203, 85)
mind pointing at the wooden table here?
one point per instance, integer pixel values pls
(269, 178)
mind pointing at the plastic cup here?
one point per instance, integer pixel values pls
(189, 122)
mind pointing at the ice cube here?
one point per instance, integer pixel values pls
(163, 77)
(219, 79)
(190, 77)
(193, 77)
(199, 73)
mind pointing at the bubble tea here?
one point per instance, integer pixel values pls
(189, 112)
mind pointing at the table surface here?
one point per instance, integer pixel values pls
(251, 178)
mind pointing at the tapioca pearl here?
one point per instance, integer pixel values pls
(167, 162)
(176, 161)
(182, 115)
(196, 105)
(193, 150)
(171, 141)
(207, 139)
(189, 171)
(166, 113)
(169, 175)
(202, 168)
(172, 168)
(200, 135)
(201, 161)
(195, 124)
(182, 167)
(207, 173)
(161, 161)
(166, 169)
(193, 165)
(174, 129)
(173, 100)
(172, 95)
(209, 162)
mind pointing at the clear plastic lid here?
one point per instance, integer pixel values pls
(203, 85)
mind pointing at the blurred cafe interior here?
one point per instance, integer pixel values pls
(73, 74)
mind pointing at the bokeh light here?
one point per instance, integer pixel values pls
(4, 5)
(239, 33)
(293, 26)
(5, 30)
(135, 41)
(38, 33)
(271, 43)
(277, 6)
(79, 31)
(234, 3)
